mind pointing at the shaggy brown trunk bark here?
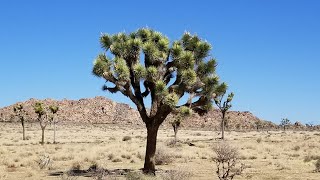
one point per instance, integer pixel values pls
(222, 124)
(42, 139)
(175, 129)
(23, 131)
(149, 163)
(54, 132)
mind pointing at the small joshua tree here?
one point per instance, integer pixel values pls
(182, 113)
(223, 106)
(43, 117)
(259, 125)
(54, 110)
(227, 161)
(21, 114)
(284, 123)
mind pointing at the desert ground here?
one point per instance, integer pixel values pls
(266, 155)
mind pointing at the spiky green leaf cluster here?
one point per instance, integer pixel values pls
(161, 88)
(140, 71)
(206, 68)
(105, 41)
(101, 65)
(185, 111)
(189, 77)
(39, 109)
(152, 73)
(230, 97)
(156, 47)
(176, 50)
(171, 99)
(221, 89)
(18, 108)
(121, 69)
(185, 60)
(209, 87)
(202, 50)
(54, 109)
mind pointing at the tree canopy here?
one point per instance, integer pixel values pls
(145, 63)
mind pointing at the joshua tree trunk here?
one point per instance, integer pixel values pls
(175, 129)
(54, 132)
(42, 139)
(149, 164)
(222, 125)
(23, 131)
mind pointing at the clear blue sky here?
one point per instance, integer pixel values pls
(268, 50)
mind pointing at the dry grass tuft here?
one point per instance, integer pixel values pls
(176, 175)
(163, 156)
(126, 138)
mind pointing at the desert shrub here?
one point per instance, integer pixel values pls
(135, 176)
(140, 156)
(242, 157)
(110, 156)
(176, 175)
(317, 165)
(3, 175)
(126, 138)
(76, 166)
(296, 148)
(117, 160)
(44, 161)
(309, 158)
(173, 143)
(126, 156)
(294, 155)
(162, 157)
(100, 174)
(68, 176)
(259, 140)
(252, 157)
(227, 161)
(94, 166)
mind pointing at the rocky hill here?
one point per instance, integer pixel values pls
(103, 110)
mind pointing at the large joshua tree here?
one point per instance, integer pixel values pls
(144, 64)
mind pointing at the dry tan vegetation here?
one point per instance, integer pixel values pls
(266, 155)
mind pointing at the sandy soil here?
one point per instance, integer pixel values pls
(266, 155)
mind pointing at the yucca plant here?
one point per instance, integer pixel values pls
(284, 123)
(21, 114)
(54, 110)
(145, 64)
(223, 105)
(44, 116)
(178, 118)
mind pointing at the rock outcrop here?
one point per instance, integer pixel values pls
(103, 110)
